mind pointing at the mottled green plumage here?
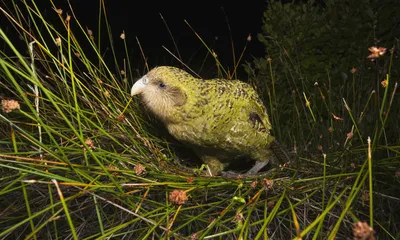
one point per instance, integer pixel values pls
(221, 120)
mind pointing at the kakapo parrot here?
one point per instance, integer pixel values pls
(221, 120)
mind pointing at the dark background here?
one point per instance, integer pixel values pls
(142, 19)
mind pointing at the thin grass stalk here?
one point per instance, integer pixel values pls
(23, 187)
(167, 215)
(206, 212)
(36, 214)
(323, 214)
(371, 205)
(138, 217)
(128, 60)
(331, 198)
(173, 218)
(99, 215)
(53, 218)
(308, 105)
(232, 46)
(381, 112)
(271, 216)
(54, 213)
(360, 118)
(295, 221)
(172, 36)
(245, 228)
(100, 17)
(36, 92)
(143, 55)
(272, 100)
(218, 63)
(318, 230)
(73, 85)
(5, 66)
(353, 120)
(217, 220)
(348, 203)
(240, 58)
(55, 104)
(109, 34)
(153, 228)
(180, 60)
(66, 210)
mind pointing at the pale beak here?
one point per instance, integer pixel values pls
(139, 86)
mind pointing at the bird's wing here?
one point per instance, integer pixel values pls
(257, 123)
(257, 113)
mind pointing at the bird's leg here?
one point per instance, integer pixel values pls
(214, 164)
(257, 167)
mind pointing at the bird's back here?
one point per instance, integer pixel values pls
(225, 115)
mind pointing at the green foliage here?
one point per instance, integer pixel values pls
(332, 36)
(326, 95)
(312, 48)
(79, 160)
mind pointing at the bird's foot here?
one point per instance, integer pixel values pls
(257, 167)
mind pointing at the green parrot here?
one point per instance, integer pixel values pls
(221, 120)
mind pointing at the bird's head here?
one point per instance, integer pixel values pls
(164, 90)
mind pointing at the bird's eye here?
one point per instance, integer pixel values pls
(162, 85)
(145, 80)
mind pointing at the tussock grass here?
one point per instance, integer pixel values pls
(80, 159)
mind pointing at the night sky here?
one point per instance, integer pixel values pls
(142, 19)
(208, 18)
